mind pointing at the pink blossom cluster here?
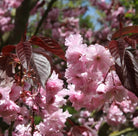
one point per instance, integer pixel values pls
(60, 28)
(5, 20)
(60, 24)
(6, 7)
(9, 108)
(93, 84)
(12, 3)
(19, 103)
(70, 12)
(114, 16)
(87, 68)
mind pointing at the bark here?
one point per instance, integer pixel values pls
(21, 20)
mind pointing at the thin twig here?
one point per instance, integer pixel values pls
(10, 129)
(45, 15)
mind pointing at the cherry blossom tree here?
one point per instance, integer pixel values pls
(61, 77)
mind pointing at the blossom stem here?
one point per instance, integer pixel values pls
(32, 124)
(44, 16)
(10, 128)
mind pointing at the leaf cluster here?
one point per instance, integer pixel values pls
(24, 62)
(123, 48)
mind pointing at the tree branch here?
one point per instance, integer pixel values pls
(45, 15)
(21, 20)
(10, 129)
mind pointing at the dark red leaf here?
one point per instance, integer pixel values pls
(130, 72)
(41, 66)
(117, 50)
(124, 31)
(131, 42)
(49, 45)
(123, 51)
(113, 47)
(134, 37)
(119, 71)
(24, 53)
(6, 50)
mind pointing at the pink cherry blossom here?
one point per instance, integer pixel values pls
(115, 116)
(13, 3)
(15, 92)
(53, 86)
(135, 121)
(100, 58)
(8, 107)
(53, 125)
(4, 93)
(22, 130)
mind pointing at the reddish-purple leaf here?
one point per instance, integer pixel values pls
(49, 45)
(24, 53)
(130, 72)
(117, 50)
(6, 50)
(42, 67)
(119, 71)
(123, 51)
(124, 31)
(113, 47)
(134, 37)
(131, 42)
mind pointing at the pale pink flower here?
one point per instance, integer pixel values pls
(7, 27)
(73, 40)
(13, 3)
(15, 92)
(4, 20)
(2, 12)
(77, 100)
(112, 88)
(85, 114)
(135, 121)
(127, 106)
(23, 116)
(22, 130)
(119, 11)
(53, 86)
(100, 58)
(59, 98)
(115, 116)
(53, 125)
(96, 102)
(75, 48)
(28, 98)
(4, 93)
(8, 108)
